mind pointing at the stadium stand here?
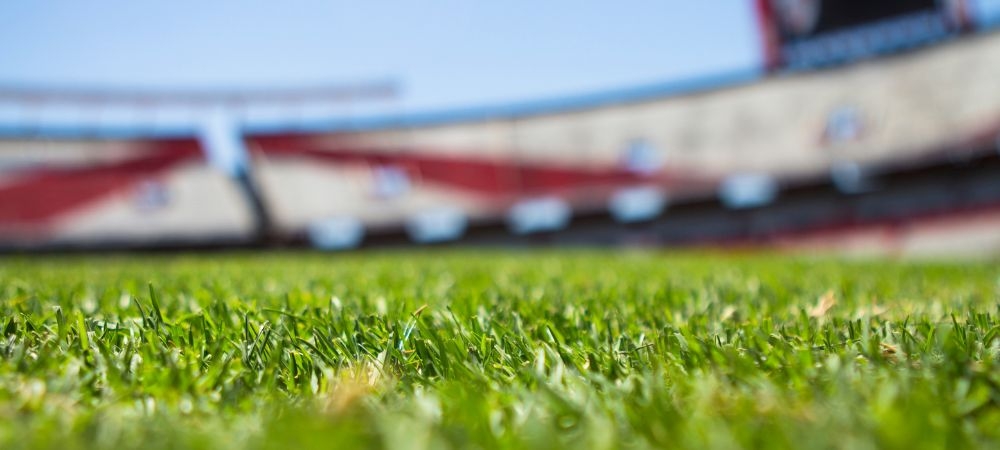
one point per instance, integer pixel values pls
(864, 121)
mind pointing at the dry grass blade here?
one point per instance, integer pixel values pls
(823, 305)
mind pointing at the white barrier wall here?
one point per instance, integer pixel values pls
(897, 109)
(95, 191)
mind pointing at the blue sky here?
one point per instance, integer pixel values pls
(442, 53)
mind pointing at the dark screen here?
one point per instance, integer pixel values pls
(839, 14)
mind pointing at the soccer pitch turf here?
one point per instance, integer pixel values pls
(494, 349)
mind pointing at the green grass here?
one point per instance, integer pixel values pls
(497, 350)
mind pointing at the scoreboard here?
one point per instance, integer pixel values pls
(806, 34)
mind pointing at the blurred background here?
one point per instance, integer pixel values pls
(861, 127)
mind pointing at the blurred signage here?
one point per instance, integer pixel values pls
(389, 182)
(150, 196)
(336, 233)
(748, 190)
(637, 204)
(539, 215)
(802, 34)
(641, 157)
(844, 124)
(441, 224)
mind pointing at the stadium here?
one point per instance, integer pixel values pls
(861, 134)
(797, 254)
